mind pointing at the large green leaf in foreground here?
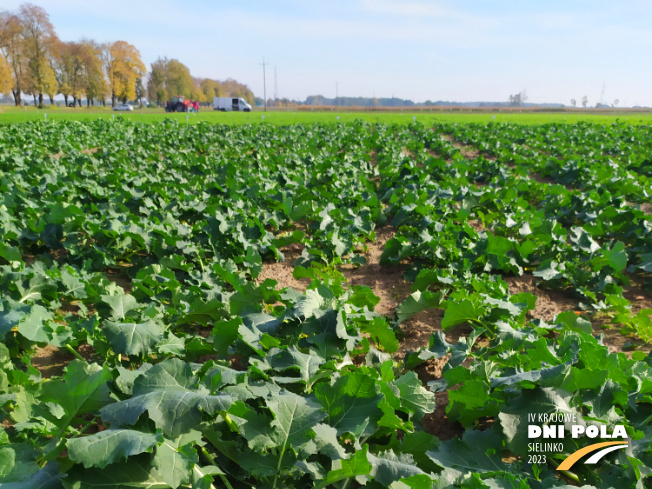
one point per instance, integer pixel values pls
(107, 447)
(170, 394)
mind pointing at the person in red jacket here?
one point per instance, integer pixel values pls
(196, 106)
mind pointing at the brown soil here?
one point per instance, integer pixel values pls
(418, 329)
(614, 338)
(438, 424)
(537, 177)
(51, 361)
(87, 151)
(549, 302)
(385, 281)
(282, 271)
(437, 155)
(373, 157)
(388, 284)
(647, 208)
(431, 369)
(71, 307)
(476, 224)
(468, 152)
(640, 297)
(119, 277)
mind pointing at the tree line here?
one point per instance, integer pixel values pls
(34, 61)
(169, 78)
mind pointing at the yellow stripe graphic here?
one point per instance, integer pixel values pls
(574, 457)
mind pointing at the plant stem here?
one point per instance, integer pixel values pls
(74, 353)
(571, 475)
(213, 462)
(83, 428)
(278, 466)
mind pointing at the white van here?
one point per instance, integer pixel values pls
(230, 104)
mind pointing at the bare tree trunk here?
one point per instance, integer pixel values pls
(40, 100)
(34, 95)
(79, 102)
(113, 99)
(51, 100)
(65, 99)
(17, 99)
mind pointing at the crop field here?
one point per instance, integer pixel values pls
(306, 115)
(341, 303)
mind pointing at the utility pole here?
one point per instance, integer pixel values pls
(604, 85)
(264, 83)
(275, 84)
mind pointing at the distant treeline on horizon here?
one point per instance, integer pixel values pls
(320, 100)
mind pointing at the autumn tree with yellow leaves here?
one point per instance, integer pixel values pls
(210, 88)
(6, 78)
(80, 72)
(169, 78)
(13, 52)
(123, 65)
(34, 61)
(39, 42)
(70, 70)
(94, 82)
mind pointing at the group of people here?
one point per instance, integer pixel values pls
(193, 106)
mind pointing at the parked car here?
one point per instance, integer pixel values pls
(123, 107)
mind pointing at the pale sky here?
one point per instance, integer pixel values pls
(465, 50)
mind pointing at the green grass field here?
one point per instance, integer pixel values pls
(10, 114)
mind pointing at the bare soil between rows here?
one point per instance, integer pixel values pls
(388, 283)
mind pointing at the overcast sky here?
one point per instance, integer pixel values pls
(471, 50)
